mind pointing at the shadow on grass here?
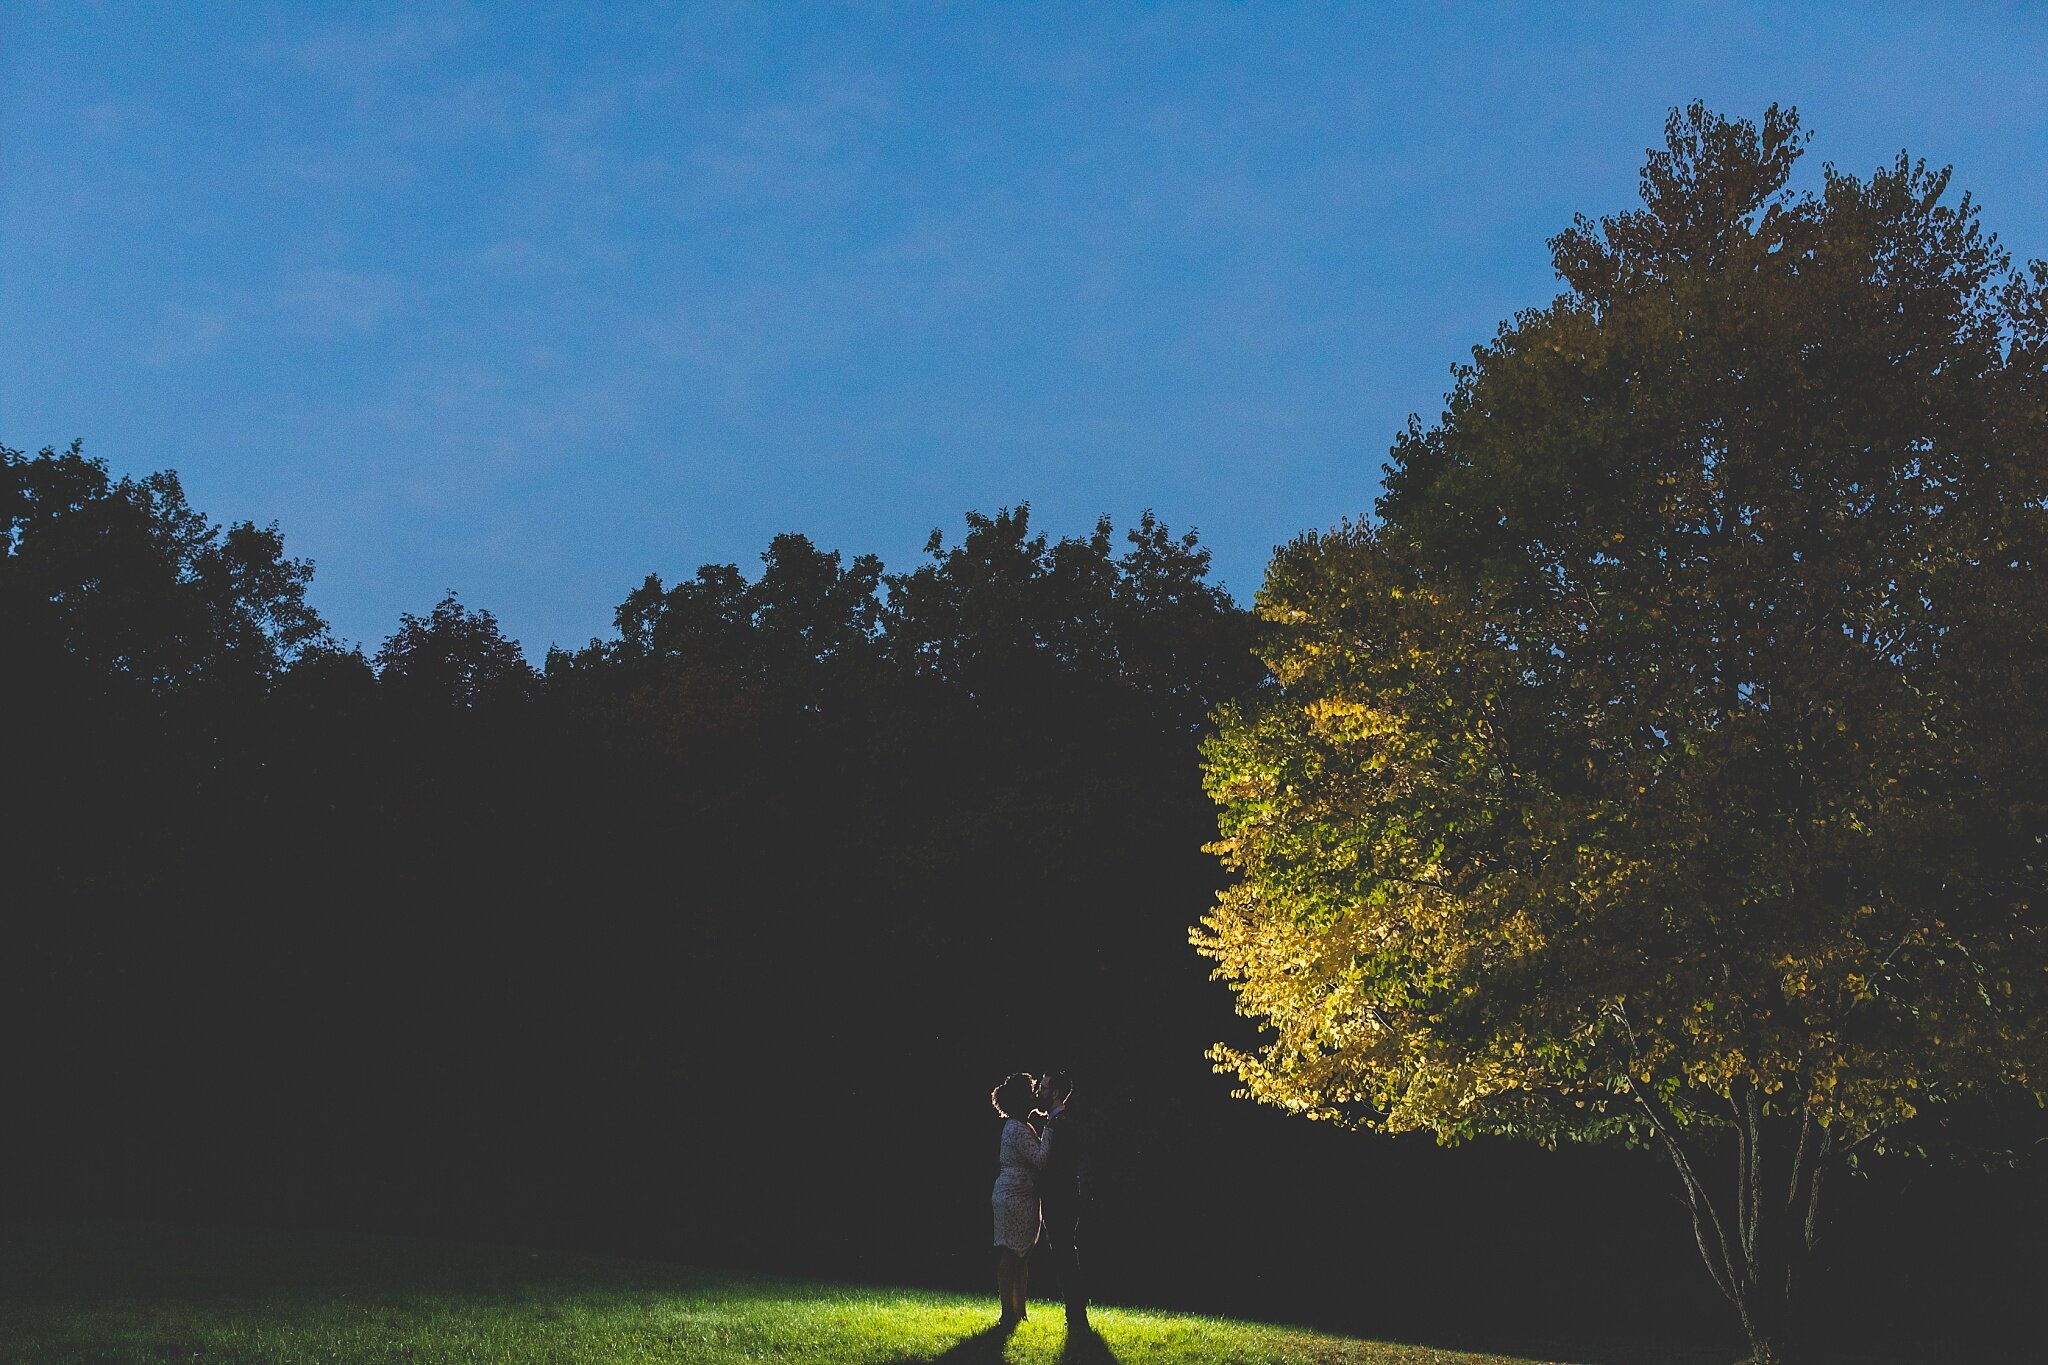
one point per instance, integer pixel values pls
(1083, 1347)
(983, 1348)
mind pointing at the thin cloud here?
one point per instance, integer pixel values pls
(812, 145)
(185, 333)
(350, 53)
(325, 301)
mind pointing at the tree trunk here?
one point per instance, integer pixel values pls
(1757, 1233)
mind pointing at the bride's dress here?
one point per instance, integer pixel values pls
(1022, 1154)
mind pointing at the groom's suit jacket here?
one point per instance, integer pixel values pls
(1063, 1185)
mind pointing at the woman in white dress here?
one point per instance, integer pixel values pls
(1022, 1154)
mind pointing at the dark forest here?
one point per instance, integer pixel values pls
(734, 917)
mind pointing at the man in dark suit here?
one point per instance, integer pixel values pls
(1063, 1191)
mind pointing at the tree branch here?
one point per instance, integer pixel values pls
(1707, 1228)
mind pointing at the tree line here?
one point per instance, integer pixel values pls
(428, 937)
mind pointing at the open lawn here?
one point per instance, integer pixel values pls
(152, 1295)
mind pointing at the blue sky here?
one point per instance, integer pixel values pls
(530, 302)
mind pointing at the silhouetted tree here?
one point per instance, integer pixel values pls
(455, 657)
(717, 653)
(1005, 613)
(1182, 642)
(123, 583)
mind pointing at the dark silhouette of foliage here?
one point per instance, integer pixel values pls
(456, 658)
(131, 588)
(1006, 613)
(707, 656)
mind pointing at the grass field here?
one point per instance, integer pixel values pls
(128, 1296)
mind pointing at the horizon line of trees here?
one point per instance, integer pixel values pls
(141, 595)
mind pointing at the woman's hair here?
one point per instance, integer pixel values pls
(1012, 1099)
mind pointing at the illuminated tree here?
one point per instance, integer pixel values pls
(1665, 763)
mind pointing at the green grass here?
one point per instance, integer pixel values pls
(130, 1297)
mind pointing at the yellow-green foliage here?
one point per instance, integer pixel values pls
(1668, 758)
(1670, 752)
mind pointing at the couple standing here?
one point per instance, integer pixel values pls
(1039, 1194)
